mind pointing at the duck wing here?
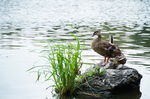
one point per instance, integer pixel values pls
(104, 45)
(114, 50)
(108, 49)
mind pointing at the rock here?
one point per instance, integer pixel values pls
(113, 81)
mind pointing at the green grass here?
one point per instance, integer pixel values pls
(64, 65)
(65, 61)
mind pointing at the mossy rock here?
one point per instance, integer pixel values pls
(105, 83)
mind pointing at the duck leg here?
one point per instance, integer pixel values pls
(107, 60)
(104, 62)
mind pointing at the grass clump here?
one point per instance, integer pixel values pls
(64, 65)
(65, 61)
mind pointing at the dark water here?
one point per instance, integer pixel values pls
(26, 26)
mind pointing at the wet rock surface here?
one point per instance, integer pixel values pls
(119, 80)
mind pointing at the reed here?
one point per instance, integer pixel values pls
(65, 61)
(64, 65)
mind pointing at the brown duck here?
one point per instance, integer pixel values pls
(104, 48)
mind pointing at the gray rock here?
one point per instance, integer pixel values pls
(113, 81)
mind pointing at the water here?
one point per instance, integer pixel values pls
(26, 25)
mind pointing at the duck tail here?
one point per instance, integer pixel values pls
(111, 39)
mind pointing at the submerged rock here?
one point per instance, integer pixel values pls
(113, 81)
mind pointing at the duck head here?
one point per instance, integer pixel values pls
(98, 33)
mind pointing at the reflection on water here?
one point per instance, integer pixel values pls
(26, 26)
(130, 94)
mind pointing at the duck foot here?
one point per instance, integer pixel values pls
(103, 63)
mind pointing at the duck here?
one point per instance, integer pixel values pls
(105, 48)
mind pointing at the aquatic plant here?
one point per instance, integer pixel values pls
(65, 62)
(64, 65)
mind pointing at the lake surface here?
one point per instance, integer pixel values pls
(26, 26)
